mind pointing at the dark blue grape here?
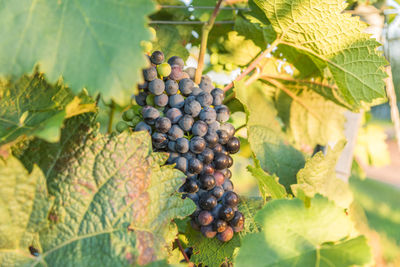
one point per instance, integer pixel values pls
(150, 113)
(207, 201)
(172, 157)
(222, 113)
(175, 60)
(142, 126)
(171, 87)
(174, 115)
(223, 137)
(205, 218)
(221, 161)
(176, 101)
(161, 100)
(192, 108)
(171, 146)
(212, 139)
(186, 123)
(226, 213)
(181, 164)
(157, 57)
(206, 84)
(175, 132)
(233, 145)
(218, 96)
(197, 145)
(208, 115)
(196, 91)
(163, 124)
(156, 87)
(227, 127)
(199, 128)
(186, 86)
(160, 140)
(218, 192)
(150, 74)
(227, 185)
(191, 185)
(206, 156)
(205, 99)
(141, 99)
(231, 199)
(188, 155)
(207, 182)
(191, 72)
(195, 166)
(213, 127)
(182, 145)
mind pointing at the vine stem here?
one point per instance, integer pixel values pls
(204, 38)
(254, 64)
(111, 116)
(394, 111)
(182, 250)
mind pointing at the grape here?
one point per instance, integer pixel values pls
(205, 218)
(207, 169)
(207, 182)
(231, 199)
(208, 115)
(220, 225)
(212, 139)
(150, 113)
(206, 84)
(227, 127)
(141, 99)
(196, 91)
(199, 128)
(175, 60)
(171, 87)
(156, 87)
(192, 108)
(219, 178)
(182, 145)
(226, 213)
(164, 69)
(207, 231)
(206, 156)
(176, 101)
(186, 123)
(195, 165)
(161, 100)
(223, 137)
(128, 115)
(142, 126)
(208, 202)
(160, 140)
(197, 145)
(227, 173)
(230, 161)
(218, 192)
(150, 74)
(191, 72)
(237, 220)
(227, 185)
(218, 96)
(226, 235)
(172, 157)
(191, 186)
(221, 161)
(205, 99)
(176, 73)
(174, 115)
(213, 127)
(218, 148)
(163, 124)
(222, 113)
(175, 132)
(121, 126)
(189, 155)
(233, 145)
(172, 146)
(181, 164)
(157, 57)
(186, 86)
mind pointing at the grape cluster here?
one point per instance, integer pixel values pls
(190, 122)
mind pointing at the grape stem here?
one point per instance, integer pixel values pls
(254, 63)
(203, 45)
(182, 250)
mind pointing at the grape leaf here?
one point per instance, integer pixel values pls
(171, 42)
(112, 193)
(24, 205)
(90, 44)
(251, 31)
(32, 106)
(268, 184)
(265, 134)
(212, 252)
(294, 235)
(311, 119)
(319, 176)
(331, 39)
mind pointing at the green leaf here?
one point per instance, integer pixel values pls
(265, 134)
(171, 42)
(251, 31)
(94, 45)
(312, 120)
(268, 184)
(319, 177)
(294, 235)
(32, 106)
(24, 206)
(333, 40)
(109, 192)
(212, 252)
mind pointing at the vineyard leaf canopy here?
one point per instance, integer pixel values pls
(112, 194)
(294, 235)
(319, 176)
(32, 106)
(92, 44)
(331, 39)
(265, 134)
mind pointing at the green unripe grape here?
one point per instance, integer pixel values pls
(214, 58)
(128, 115)
(229, 66)
(153, 33)
(150, 100)
(147, 46)
(164, 69)
(121, 126)
(214, 48)
(218, 68)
